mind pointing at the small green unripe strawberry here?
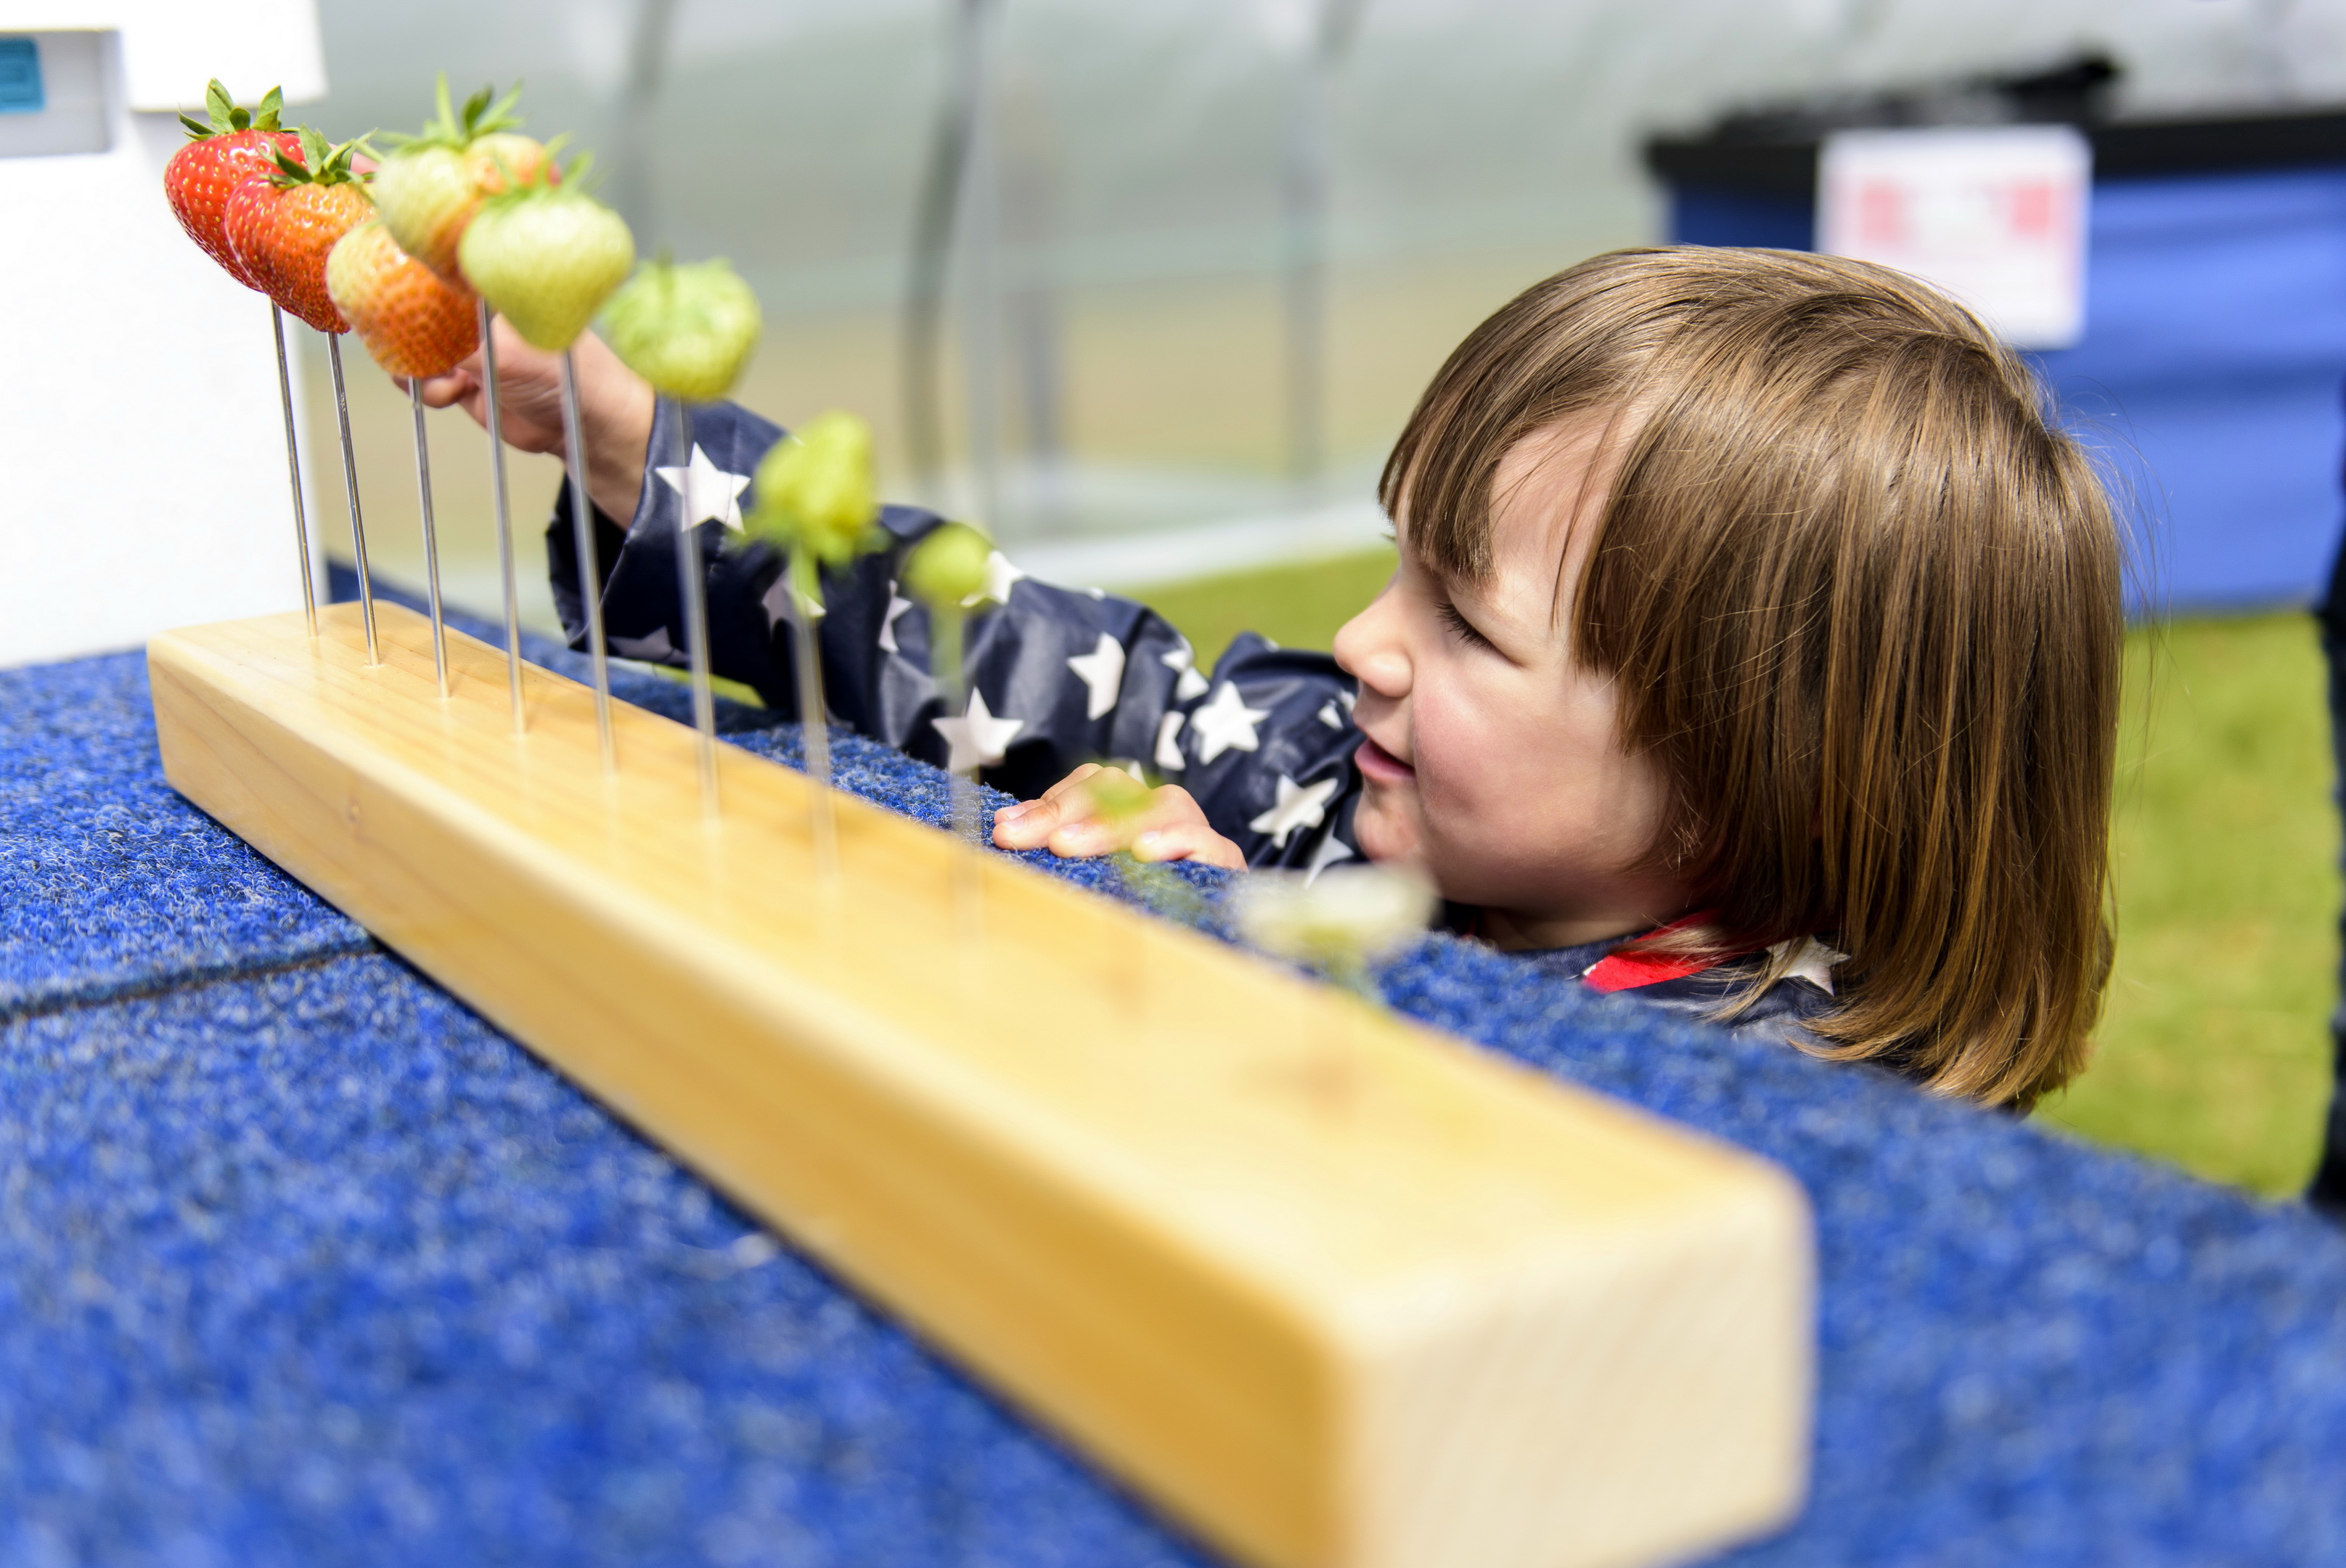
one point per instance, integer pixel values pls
(1339, 921)
(688, 329)
(948, 567)
(816, 492)
(545, 257)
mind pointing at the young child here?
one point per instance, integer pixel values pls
(1753, 653)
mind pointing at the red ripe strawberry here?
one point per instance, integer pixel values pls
(230, 146)
(411, 322)
(284, 227)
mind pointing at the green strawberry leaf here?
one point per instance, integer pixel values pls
(273, 105)
(218, 104)
(314, 149)
(483, 112)
(501, 116)
(197, 129)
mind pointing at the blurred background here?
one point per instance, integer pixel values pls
(1229, 239)
(1151, 285)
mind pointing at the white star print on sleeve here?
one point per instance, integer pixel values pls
(1192, 683)
(710, 493)
(653, 649)
(897, 605)
(1331, 850)
(1328, 716)
(1102, 670)
(999, 574)
(977, 738)
(1298, 806)
(778, 601)
(1168, 745)
(1227, 723)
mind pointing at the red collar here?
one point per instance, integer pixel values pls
(1627, 971)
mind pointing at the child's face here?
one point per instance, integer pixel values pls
(1491, 758)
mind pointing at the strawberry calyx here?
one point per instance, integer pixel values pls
(483, 114)
(223, 117)
(320, 164)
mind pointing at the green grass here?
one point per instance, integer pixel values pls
(2213, 1051)
(1295, 606)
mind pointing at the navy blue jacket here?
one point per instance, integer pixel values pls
(1265, 746)
(1066, 676)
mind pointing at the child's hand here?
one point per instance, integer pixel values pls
(1167, 825)
(614, 410)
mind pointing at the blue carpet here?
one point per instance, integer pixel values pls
(112, 884)
(312, 1266)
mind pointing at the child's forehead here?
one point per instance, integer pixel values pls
(1549, 488)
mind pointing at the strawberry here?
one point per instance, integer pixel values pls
(227, 147)
(545, 257)
(687, 330)
(411, 322)
(282, 226)
(816, 492)
(430, 188)
(947, 569)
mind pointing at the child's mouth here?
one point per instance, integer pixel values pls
(1378, 766)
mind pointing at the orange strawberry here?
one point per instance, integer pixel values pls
(282, 226)
(429, 189)
(226, 148)
(411, 322)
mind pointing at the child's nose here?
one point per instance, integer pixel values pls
(1369, 649)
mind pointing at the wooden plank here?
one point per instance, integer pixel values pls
(1333, 1290)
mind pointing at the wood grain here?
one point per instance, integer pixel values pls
(1332, 1290)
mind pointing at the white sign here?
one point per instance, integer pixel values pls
(1994, 215)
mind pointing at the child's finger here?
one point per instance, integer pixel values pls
(1188, 841)
(439, 392)
(1031, 823)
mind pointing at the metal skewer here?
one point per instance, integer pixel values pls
(590, 576)
(504, 520)
(431, 536)
(948, 627)
(695, 611)
(946, 632)
(294, 469)
(814, 728)
(351, 486)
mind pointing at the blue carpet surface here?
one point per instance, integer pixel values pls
(112, 884)
(301, 1263)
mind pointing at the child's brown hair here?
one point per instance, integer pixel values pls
(1860, 600)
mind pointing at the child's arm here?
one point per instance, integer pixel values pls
(1066, 676)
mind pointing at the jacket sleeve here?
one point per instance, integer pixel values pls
(1059, 676)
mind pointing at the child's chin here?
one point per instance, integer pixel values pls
(1384, 828)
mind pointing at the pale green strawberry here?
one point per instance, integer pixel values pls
(429, 190)
(949, 566)
(689, 329)
(545, 257)
(816, 492)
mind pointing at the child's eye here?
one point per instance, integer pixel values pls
(1459, 627)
